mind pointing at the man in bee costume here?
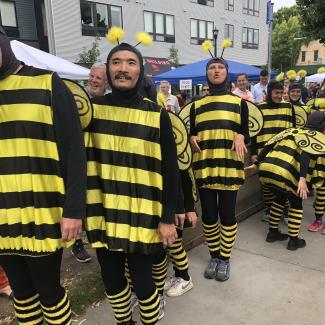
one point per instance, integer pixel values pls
(42, 188)
(132, 185)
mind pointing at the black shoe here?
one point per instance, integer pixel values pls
(79, 252)
(130, 322)
(273, 236)
(295, 243)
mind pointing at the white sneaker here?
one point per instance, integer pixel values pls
(162, 304)
(179, 287)
(169, 282)
(134, 301)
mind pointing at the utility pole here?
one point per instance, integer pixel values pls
(270, 22)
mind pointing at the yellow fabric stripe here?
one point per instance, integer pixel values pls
(26, 301)
(31, 182)
(217, 134)
(229, 99)
(126, 144)
(217, 153)
(278, 170)
(18, 82)
(218, 115)
(133, 234)
(28, 148)
(220, 171)
(121, 202)
(150, 300)
(33, 245)
(124, 174)
(37, 303)
(30, 112)
(127, 115)
(119, 295)
(27, 315)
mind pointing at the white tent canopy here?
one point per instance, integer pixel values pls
(43, 60)
(318, 77)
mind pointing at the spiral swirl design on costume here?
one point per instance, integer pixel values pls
(300, 122)
(185, 159)
(311, 141)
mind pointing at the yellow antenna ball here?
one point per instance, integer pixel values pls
(206, 45)
(226, 43)
(115, 35)
(280, 76)
(291, 74)
(144, 38)
(321, 70)
(302, 73)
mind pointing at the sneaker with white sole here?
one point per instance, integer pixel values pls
(169, 282)
(266, 215)
(179, 287)
(162, 304)
(134, 301)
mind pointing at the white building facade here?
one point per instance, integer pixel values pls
(73, 24)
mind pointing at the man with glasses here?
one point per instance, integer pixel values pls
(205, 90)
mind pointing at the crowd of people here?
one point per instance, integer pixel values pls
(119, 177)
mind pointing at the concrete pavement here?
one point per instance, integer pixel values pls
(268, 285)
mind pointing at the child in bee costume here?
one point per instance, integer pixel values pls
(284, 166)
(42, 188)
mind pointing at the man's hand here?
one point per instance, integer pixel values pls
(179, 220)
(302, 188)
(195, 143)
(167, 233)
(70, 228)
(249, 170)
(239, 146)
(253, 158)
(192, 218)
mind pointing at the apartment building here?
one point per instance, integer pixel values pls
(185, 24)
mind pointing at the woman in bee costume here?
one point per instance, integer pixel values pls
(42, 188)
(218, 129)
(285, 166)
(132, 187)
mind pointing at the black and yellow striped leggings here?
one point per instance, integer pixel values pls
(319, 203)
(38, 295)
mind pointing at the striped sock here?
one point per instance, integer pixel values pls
(127, 274)
(212, 237)
(228, 236)
(29, 310)
(294, 221)
(268, 196)
(149, 309)
(159, 273)
(178, 255)
(275, 216)
(121, 305)
(59, 313)
(319, 204)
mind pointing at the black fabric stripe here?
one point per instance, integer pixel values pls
(218, 162)
(26, 129)
(124, 188)
(216, 144)
(124, 129)
(25, 305)
(31, 319)
(226, 181)
(31, 199)
(218, 107)
(281, 105)
(277, 117)
(29, 310)
(32, 71)
(123, 216)
(277, 178)
(283, 164)
(124, 244)
(218, 124)
(33, 165)
(30, 230)
(25, 96)
(56, 318)
(123, 159)
(272, 130)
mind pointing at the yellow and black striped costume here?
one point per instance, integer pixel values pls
(276, 120)
(31, 189)
(217, 122)
(124, 190)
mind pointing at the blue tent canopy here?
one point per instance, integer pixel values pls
(196, 72)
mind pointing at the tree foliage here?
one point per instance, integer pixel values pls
(312, 14)
(285, 45)
(88, 57)
(284, 14)
(173, 56)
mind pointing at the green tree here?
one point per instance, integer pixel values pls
(88, 57)
(284, 14)
(312, 14)
(173, 56)
(285, 43)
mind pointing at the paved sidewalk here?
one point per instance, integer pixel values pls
(268, 285)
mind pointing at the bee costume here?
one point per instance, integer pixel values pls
(286, 159)
(43, 178)
(131, 188)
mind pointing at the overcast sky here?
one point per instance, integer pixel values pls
(283, 3)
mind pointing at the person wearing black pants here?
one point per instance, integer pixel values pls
(219, 128)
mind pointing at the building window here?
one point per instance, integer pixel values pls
(250, 38)
(8, 13)
(160, 26)
(229, 5)
(303, 56)
(315, 55)
(97, 18)
(251, 7)
(209, 3)
(201, 30)
(229, 33)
